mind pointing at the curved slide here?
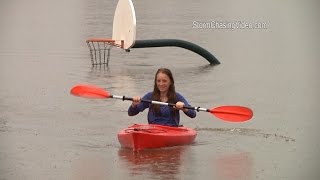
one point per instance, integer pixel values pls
(178, 43)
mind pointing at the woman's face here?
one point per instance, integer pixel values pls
(163, 82)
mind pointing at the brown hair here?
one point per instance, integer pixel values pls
(156, 93)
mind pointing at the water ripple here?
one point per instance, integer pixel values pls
(247, 132)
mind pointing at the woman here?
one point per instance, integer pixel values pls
(164, 91)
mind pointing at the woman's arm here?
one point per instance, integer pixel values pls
(189, 112)
(138, 106)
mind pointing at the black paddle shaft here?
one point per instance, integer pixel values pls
(160, 103)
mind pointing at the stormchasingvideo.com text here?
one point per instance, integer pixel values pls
(228, 25)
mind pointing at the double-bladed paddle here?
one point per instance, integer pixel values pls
(226, 113)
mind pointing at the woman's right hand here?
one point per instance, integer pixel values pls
(135, 101)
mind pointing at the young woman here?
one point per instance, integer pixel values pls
(164, 91)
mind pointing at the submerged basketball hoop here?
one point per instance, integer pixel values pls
(124, 37)
(123, 34)
(100, 49)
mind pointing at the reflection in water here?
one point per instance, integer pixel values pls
(106, 77)
(234, 166)
(138, 71)
(163, 163)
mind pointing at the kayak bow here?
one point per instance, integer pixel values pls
(143, 136)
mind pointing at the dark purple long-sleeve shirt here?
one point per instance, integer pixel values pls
(166, 118)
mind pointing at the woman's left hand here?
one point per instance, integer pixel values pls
(179, 105)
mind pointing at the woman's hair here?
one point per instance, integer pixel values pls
(156, 93)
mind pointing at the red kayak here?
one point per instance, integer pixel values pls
(145, 136)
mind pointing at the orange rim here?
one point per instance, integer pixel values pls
(106, 40)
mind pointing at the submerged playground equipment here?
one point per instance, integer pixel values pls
(124, 37)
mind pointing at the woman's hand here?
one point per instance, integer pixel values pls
(135, 101)
(179, 105)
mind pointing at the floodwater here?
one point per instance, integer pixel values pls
(46, 133)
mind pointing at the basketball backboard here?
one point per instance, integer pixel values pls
(124, 24)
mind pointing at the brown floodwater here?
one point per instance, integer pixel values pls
(45, 133)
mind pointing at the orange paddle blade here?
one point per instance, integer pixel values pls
(89, 91)
(232, 113)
